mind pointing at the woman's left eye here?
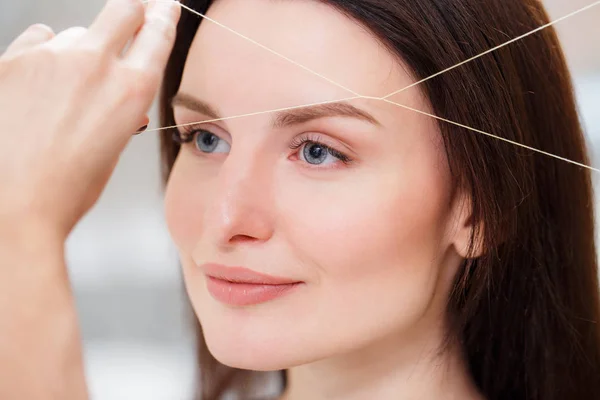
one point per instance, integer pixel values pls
(316, 153)
(208, 142)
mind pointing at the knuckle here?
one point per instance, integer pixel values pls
(42, 30)
(91, 52)
(70, 35)
(75, 31)
(133, 7)
(86, 63)
(126, 5)
(163, 26)
(88, 58)
(70, 40)
(138, 84)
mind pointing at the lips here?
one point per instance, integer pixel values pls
(241, 286)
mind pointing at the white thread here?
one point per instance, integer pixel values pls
(493, 136)
(496, 48)
(268, 49)
(256, 113)
(385, 98)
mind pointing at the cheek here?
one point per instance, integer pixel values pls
(376, 244)
(373, 227)
(185, 198)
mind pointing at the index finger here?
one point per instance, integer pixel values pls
(118, 21)
(154, 42)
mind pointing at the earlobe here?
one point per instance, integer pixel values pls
(468, 233)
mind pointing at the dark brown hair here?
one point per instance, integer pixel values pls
(526, 312)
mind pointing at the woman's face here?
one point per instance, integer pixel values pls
(370, 228)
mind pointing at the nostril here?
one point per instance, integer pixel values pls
(242, 239)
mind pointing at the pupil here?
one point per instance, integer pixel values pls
(208, 139)
(315, 154)
(207, 142)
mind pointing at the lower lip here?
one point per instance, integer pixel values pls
(245, 294)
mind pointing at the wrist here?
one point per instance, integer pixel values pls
(43, 345)
(30, 238)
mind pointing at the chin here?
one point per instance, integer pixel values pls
(268, 337)
(251, 355)
(258, 344)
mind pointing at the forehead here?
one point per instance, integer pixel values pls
(229, 69)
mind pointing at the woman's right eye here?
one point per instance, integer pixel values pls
(208, 142)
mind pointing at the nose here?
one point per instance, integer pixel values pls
(241, 209)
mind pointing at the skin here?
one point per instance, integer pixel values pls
(376, 242)
(57, 151)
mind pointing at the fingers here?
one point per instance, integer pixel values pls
(67, 37)
(34, 35)
(117, 23)
(154, 42)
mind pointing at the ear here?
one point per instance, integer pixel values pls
(466, 232)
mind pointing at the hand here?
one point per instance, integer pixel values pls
(69, 103)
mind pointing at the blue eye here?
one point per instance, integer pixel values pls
(315, 153)
(208, 142)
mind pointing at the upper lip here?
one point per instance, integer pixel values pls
(242, 275)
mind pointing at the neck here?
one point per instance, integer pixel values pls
(418, 369)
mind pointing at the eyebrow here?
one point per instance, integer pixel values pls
(285, 118)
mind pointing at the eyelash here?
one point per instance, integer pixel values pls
(188, 134)
(316, 139)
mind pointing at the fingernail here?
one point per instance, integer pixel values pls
(142, 129)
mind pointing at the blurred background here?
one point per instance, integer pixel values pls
(133, 309)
